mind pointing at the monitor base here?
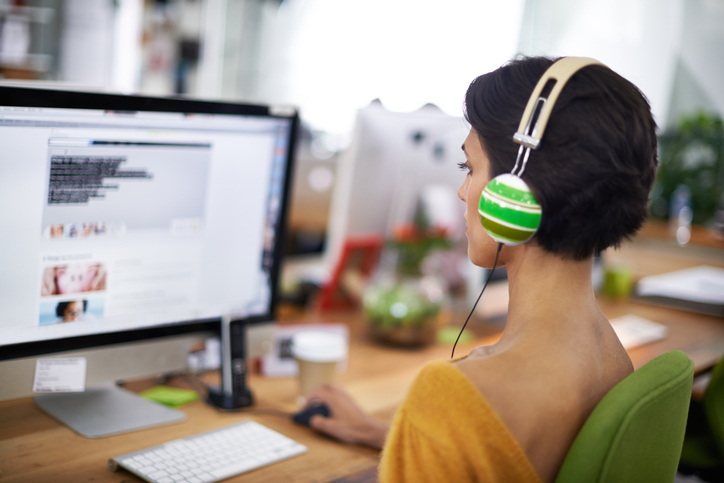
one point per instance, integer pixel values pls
(239, 399)
(106, 410)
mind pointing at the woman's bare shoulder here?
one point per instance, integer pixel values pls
(543, 397)
(524, 380)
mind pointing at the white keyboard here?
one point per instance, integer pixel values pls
(210, 456)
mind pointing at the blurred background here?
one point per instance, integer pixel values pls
(380, 85)
(331, 57)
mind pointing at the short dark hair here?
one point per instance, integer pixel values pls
(597, 161)
(63, 306)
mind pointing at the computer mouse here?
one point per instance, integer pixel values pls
(303, 416)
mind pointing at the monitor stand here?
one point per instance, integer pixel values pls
(106, 410)
(233, 392)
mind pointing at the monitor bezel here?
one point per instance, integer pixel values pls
(11, 96)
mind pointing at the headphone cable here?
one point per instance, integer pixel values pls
(495, 264)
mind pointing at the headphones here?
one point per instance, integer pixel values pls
(508, 210)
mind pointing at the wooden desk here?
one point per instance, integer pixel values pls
(34, 447)
(700, 336)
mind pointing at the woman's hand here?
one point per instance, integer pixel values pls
(347, 422)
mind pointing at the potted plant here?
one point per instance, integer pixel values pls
(404, 301)
(691, 161)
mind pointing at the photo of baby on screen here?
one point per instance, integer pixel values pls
(73, 278)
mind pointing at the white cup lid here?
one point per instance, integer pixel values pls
(319, 346)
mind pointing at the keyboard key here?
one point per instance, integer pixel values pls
(158, 475)
(147, 470)
(236, 468)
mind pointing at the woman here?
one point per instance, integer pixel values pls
(71, 311)
(510, 411)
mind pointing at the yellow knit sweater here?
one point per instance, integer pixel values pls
(445, 431)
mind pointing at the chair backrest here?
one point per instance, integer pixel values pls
(636, 431)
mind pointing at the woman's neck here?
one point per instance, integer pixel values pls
(548, 293)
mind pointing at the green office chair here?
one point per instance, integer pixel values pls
(635, 433)
(703, 452)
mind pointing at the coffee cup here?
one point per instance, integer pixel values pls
(317, 353)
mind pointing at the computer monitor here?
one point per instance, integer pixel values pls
(131, 225)
(395, 161)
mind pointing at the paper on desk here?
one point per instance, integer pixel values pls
(60, 375)
(634, 331)
(702, 284)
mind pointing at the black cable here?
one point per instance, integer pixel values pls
(495, 264)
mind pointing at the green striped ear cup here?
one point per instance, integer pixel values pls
(508, 210)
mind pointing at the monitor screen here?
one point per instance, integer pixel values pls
(125, 218)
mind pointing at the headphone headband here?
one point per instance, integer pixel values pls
(560, 71)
